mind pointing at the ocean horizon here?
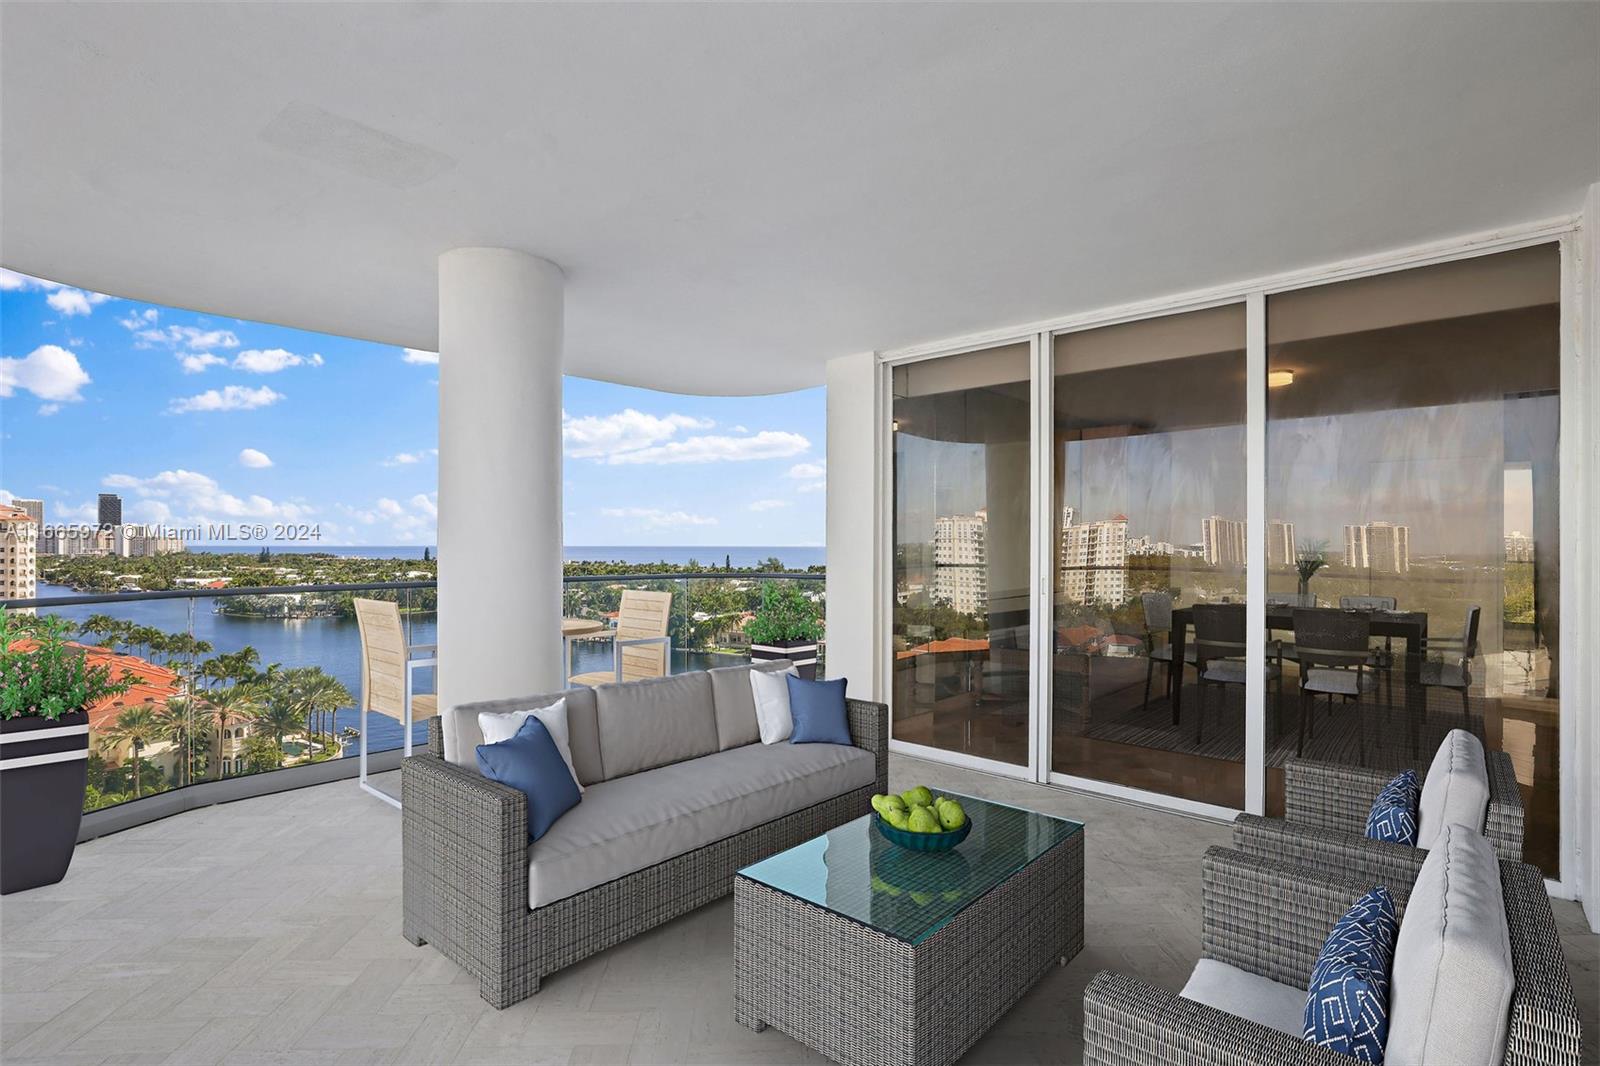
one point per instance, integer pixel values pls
(793, 556)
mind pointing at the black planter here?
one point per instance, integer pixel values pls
(803, 653)
(44, 765)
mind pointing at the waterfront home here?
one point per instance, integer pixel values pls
(1211, 475)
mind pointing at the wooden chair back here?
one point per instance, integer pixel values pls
(643, 615)
(383, 657)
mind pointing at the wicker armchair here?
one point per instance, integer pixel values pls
(1325, 817)
(464, 841)
(1271, 919)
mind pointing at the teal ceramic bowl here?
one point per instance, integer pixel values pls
(921, 841)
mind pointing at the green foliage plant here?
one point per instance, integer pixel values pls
(785, 614)
(50, 678)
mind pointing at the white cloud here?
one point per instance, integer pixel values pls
(195, 363)
(654, 518)
(189, 337)
(812, 486)
(424, 503)
(389, 507)
(412, 522)
(417, 355)
(137, 320)
(75, 301)
(48, 409)
(187, 497)
(254, 459)
(768, 444)
(50, 372)
(410, 458)
(606, 436)
(768, 505)
(11, 281)
(809, 470)
(272, 360)
(232, 398)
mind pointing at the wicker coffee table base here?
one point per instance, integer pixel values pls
(864, 998)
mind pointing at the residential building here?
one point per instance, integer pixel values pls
(1519, 547)
(1382, 547)
(1355, 547)
(1280, 543)
(110, 509)
(1222, 541)
(35, 509)
(19, 564)
(960, 562)
(1094, 562)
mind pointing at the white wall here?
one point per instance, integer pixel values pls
(853, 524)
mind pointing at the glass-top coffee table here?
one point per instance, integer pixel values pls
(872, 954)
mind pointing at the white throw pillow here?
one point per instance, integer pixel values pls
(501, 727)
(771, 692)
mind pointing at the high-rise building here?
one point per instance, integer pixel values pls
(1222, 541)
(35, 509)
(961, 562)
(1280, 544)
(1519, 547)
(110, 509)
(19, 536)
(1381, 547)
(1094, 561)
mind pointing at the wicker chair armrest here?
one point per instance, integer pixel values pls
(1545, 1024)
(467, 837)
(869, 728)
(436, 736)
(1332, 852)
(1504, 825)
(1329, 795)
(1127, 1022)
(1270, 918)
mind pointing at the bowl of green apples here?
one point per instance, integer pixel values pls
(918, 820)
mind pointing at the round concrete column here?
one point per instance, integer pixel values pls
(500, 337)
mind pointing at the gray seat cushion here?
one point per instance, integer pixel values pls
(462, 735)
(630, 823)
(1455, 790)
(1247, 995)
(1338, 682)
(736, 705)
(645, 724)
(1450, 999)
(1232, 671)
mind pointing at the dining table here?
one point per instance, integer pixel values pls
(572, 629)
(1411, 627)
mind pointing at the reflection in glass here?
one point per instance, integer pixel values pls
(1412, 472)
(961, 513)
(1149, 509)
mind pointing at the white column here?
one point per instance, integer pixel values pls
(1580, 676)
(854, 529)
(500, 337)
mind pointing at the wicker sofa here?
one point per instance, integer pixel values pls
(1326, 806)
(679, 794)
(1269, 920)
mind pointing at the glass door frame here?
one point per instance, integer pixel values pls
(1580, 494)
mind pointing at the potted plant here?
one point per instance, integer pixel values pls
(1310, 558)
(47, 686)
(787, 625)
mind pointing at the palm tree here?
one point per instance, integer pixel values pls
(281, 715)
(175, 719)
(229, 707)
(137, 727)
(321, 693)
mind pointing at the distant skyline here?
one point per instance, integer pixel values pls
(204, 420)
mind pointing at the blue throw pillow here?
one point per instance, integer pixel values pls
(1347, 1003)
(531, 763)
(1394, 812)
(817, 708)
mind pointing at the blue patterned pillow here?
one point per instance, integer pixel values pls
(1347, 1004)
(1394, 812)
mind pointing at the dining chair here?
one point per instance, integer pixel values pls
(1158, 622)
(1220, 648)
(641, 647)
(1335, 660)
(1384, 656)
(1453, 670)
(386, 676)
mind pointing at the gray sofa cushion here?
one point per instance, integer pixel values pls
(1450, 1000)
(1247, 995)
(630, 823)
(736, 706)
(462, 735)
(645, 724)
(1456, 790)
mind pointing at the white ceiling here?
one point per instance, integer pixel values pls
(738, 193)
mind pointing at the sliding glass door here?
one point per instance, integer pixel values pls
(1148, 508)
(962, 512)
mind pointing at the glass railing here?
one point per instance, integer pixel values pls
(234, 682)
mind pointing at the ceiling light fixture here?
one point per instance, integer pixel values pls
(1277, 379)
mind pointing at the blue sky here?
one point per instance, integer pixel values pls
(201, 420)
